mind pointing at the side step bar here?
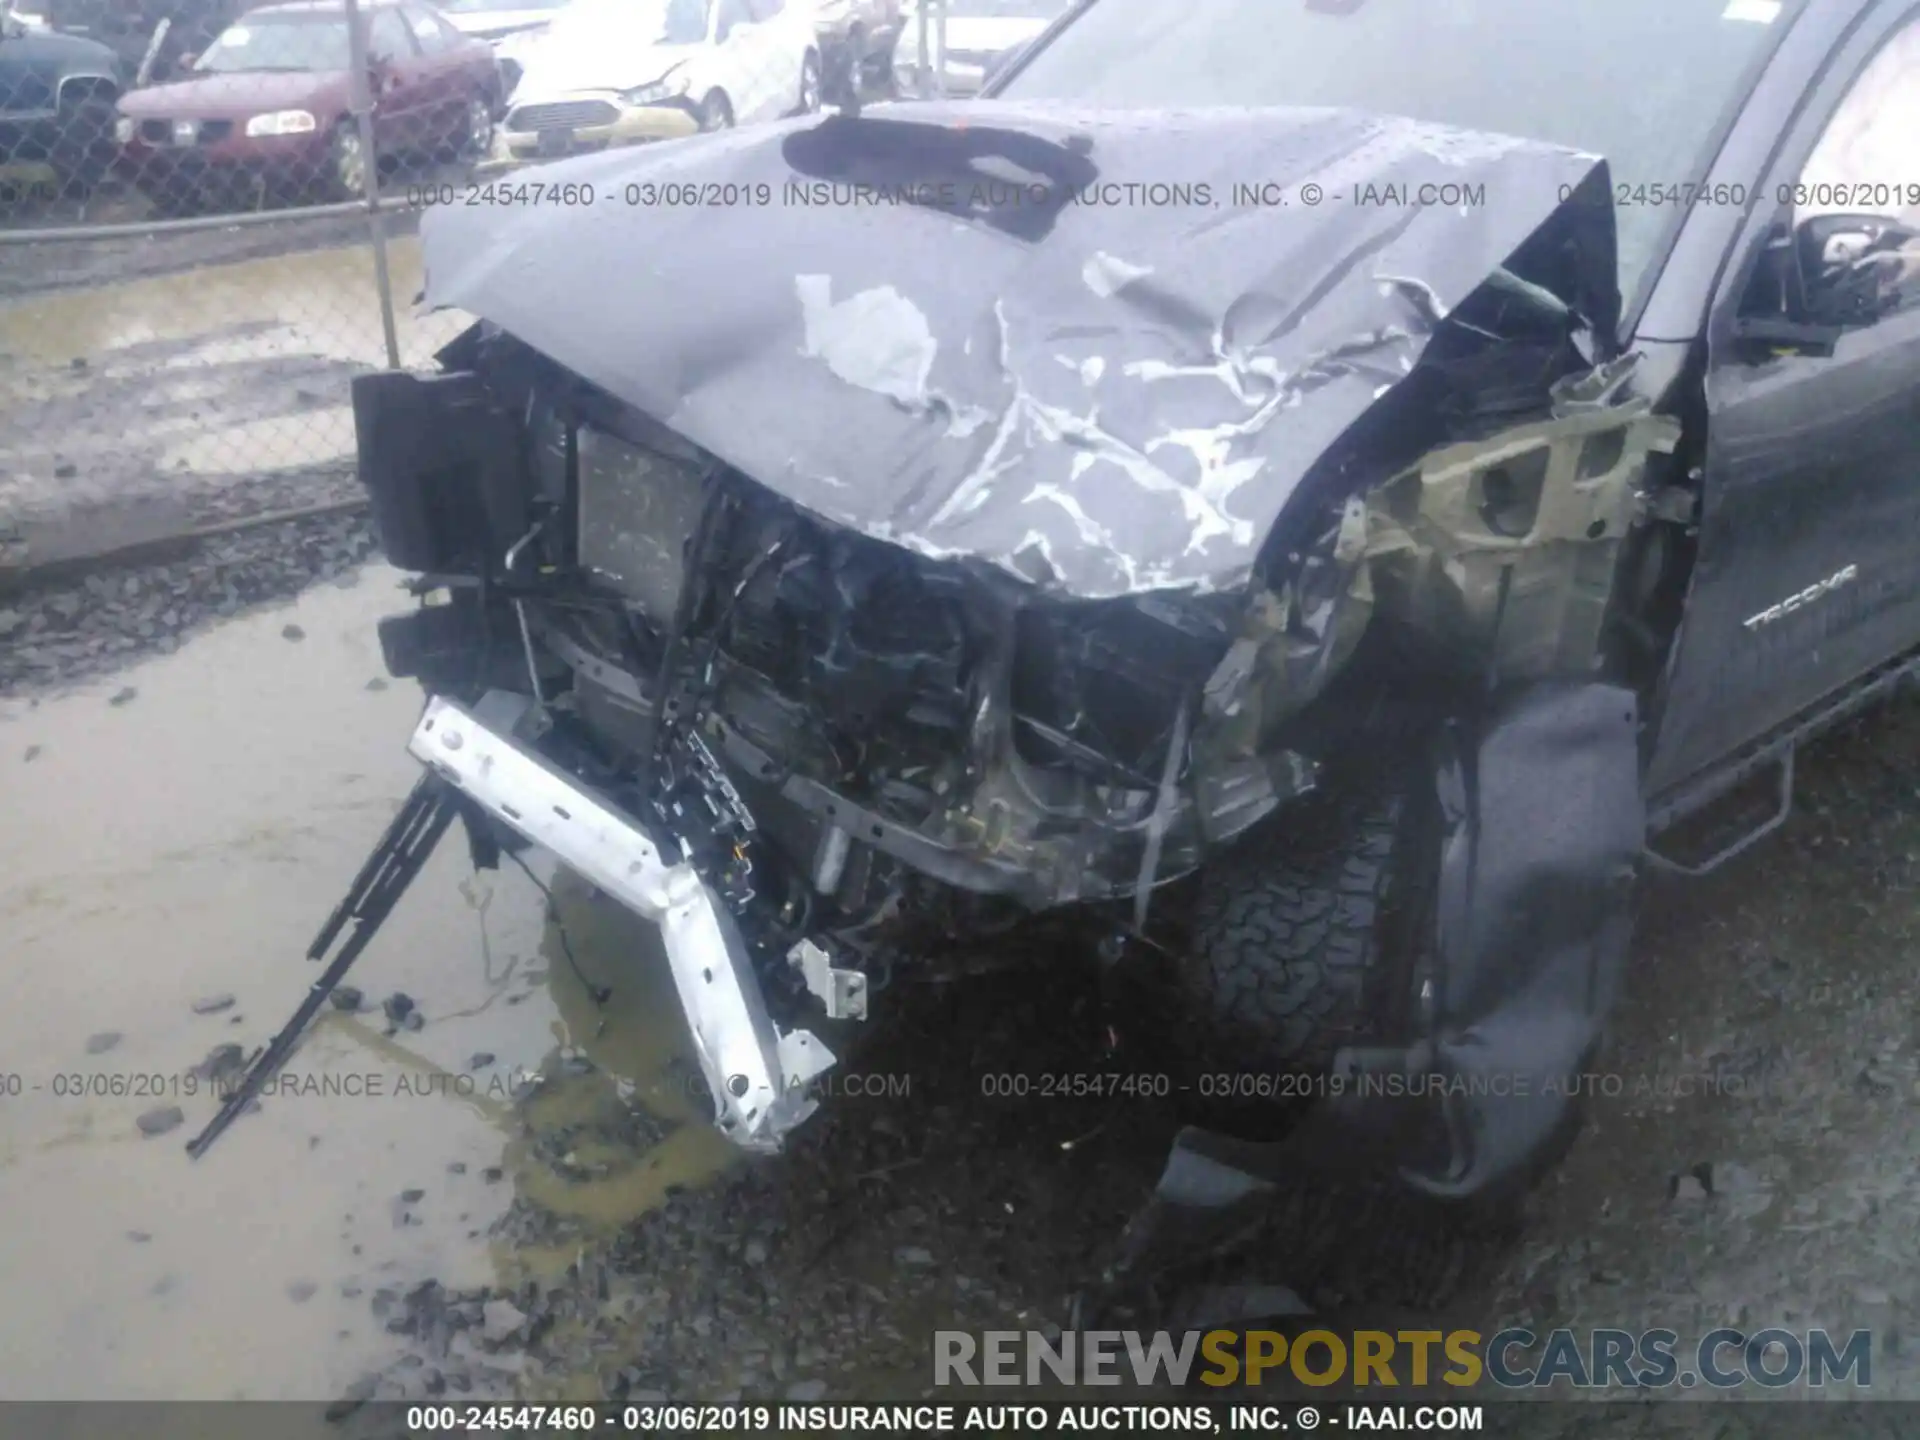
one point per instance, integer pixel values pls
(758, 1076)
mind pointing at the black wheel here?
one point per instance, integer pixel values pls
(1301, 938)
(716, 111)
(476, 130)
(809, 100)
(346, 163)
(875, 68)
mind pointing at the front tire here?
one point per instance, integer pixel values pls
(716, 111)
(1301, 941)
(476, 130)
(809, 84)
(347, 162)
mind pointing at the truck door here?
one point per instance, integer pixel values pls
(1808, 575)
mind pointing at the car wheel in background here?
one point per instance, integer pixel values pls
(876, 67)
(346, 163)
(476, 130)
(716, 111)
(809, 84)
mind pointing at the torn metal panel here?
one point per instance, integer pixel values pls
(1507, 547)
(1107, 379)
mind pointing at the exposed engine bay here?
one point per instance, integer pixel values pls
(827, 749)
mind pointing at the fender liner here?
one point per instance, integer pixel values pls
(1542, 821)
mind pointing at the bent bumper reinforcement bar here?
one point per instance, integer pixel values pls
(757, 1075)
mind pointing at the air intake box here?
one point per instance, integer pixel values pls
(445, 469)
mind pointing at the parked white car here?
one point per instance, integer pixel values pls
(29, 13)
(979, 34)
(619, 72)
(495, 20)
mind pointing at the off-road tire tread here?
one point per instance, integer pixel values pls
(1288, 937)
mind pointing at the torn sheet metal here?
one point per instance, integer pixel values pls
(1078, 357)
(1509, 545)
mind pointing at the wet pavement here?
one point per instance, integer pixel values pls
(172, 843)
(155, 405)
(520, 1195)
(175, 832)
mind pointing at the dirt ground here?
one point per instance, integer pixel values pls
(511, 1190)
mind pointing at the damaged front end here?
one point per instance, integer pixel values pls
(888, 590)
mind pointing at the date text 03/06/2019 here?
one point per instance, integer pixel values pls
(934, 1419)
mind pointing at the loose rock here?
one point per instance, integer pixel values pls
(103, 1042)
(160, 1120)
(500, 1320)
(212, 1004)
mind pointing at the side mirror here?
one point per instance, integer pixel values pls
(1851, 266)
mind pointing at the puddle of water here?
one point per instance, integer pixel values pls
(326, 297)
(188, 843)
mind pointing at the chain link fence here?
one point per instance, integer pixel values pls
(208, 212)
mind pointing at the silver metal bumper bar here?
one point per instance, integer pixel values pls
(758, 1076)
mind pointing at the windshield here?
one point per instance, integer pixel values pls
(633, 22)
(482, 7)
(1642, 82)
(278, 42)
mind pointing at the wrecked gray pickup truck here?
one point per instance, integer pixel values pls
(1010, 513)
(824, 582)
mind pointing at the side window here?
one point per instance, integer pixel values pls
(388, 37)
(1856, 213)
(732, 13)
(432, 35)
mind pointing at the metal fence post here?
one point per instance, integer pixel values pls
(362, 102)
(940, 48)
(923, 74)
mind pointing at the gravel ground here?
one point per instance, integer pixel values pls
(56, 635)
(1781, 1190)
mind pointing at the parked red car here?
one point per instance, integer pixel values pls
(269, 103)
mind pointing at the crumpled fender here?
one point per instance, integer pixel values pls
(1544, 825)
(1541, 822)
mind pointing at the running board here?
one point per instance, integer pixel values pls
(1783, 811)
(758, 1077)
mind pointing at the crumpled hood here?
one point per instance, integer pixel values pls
(1110, 396)
(567, 62)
